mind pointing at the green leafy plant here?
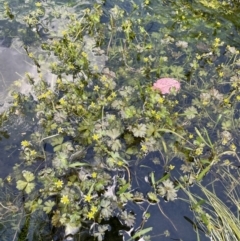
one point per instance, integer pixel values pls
(27, 184)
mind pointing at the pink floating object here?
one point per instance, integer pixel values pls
(165, 85)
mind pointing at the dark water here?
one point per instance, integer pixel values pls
(174, 216)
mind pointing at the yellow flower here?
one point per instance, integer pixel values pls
(226, 101)
(103, 78)
(60, 130)
(221, 74)
(96, 88)
(113, 94)
(95, 67)
(65, 200)
(217, 40)
(92, 105)
(90, 215)
(62, 101)
(146, 2)
(199, 151)
(9, 178)
(80, 107)
(120, 163)
(224, 141)
(198, 56)
(226, 163)
(94, 209)
(153, 112)
(95, 137)
(30, 55)
(25, 143)
(158, 116)
(17, 83)
(64, 32)
(233, 147)
(84, 54)
(33, 153)
(144, 148)
(94, 175)
(38, 4)
(59, 81)
(234, 84)
(59, 183)
(205, 102)
(171, 167)
(190, 136)
(109, 98)
(88, 198)
(145, 59)
(87, 10)
(71, 67)
(160, 100)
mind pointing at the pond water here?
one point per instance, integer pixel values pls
(195, 42)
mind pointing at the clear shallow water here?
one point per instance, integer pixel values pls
(198, 31)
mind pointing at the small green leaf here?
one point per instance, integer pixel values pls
(203, 173)
(152, 178)
(123, 188)
(152, 196)
(54, 126)
(48, 206)
(128, 218)
(205, 161)
(199, 203)
(57, 140)
(132, 150)
(30, 186)
(27, 187)
(116, 145)
(28, 176)
(21, 185)
(201, 137)
(113, 134)
(126, 196)
(165, 177)
(79, 164)
(191, 112)
(140, 233)
(140, 130)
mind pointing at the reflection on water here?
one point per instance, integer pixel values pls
(13, 65)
